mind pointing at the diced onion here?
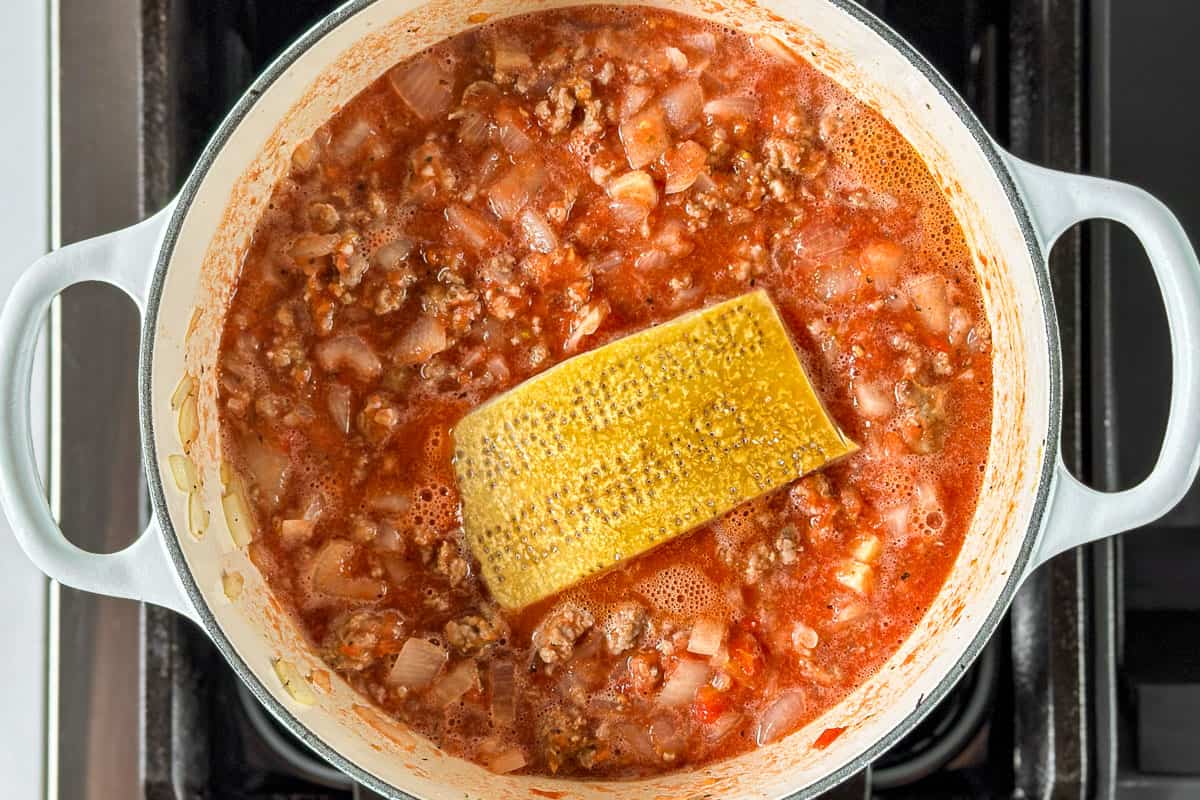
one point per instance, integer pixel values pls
(504, 692)
(927, 497)
(608, 261)
(389, 502)
(928, 294)
(681, 687)
(644, 136)
(704, 41)
(417, 664)
(267, 466)
(651, 259)
(387, 539)
(349, 352)
(676, 59)
(881, 262)
(628, 214)
(338, 401)
(461, 678)
(960, 325)
(474, 127)
(497, 367)
(634, 196)
(478, 232)
(423, 340)
(633, 740)
(537, 231)
(306, 155)
(480, 93)
(237, 515)
(510, 760)
(772, 46)
(295, 532)
(392, 254)
(706, 637)
(820, 243)
(896, 519)
(673, 237)
(780, 718)
(348, 142)
(328, 574)
(684, 164)
(704, 183)
(804, 637)
(294, 683)
(854, 575)
(313, 245)
(836, 280)
(184, 473)
(232, 584)
(667, 737)
(682, 104)
(514, 189)
(197, 514)
(315, 506)
(425, 85)
(635, 97)
(189, 422)
(873, 401)
(731, 107)
(509, 57)
(510, 131)
(586, 324)
(866, 548)
(399, 570)
(849, 612)
(723, 726)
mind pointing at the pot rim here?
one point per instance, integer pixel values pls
(991, 151)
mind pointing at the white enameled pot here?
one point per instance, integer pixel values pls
(179, 267)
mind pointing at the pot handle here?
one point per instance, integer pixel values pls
(143, 570)
(1058, 200)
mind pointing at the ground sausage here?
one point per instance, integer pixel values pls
(475, 633)
(623, 627)
(555, 638)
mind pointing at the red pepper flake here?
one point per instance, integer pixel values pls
(827, 737)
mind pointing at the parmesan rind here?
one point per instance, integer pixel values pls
(622, 448)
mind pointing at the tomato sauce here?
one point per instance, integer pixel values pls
(526, 191)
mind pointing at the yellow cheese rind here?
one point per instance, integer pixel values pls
(619, 449)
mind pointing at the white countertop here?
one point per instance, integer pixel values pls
(25, 231)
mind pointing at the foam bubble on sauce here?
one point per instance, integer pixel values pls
(434, 508)
(737, 527)
(681, 590)
(382, 233)
(889, 169)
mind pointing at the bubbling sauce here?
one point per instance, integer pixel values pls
(537, 187)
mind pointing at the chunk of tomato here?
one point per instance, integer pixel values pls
(709, 704)
(745, 657)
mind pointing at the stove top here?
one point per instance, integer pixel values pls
(1064, 702)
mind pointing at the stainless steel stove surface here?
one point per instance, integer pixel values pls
(1067, 701)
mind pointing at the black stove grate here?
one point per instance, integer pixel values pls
(1016, 725)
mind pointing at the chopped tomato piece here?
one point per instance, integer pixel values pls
(709, 704)
(827, 737)
(745, 657)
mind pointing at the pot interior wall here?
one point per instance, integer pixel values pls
(225, 202)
